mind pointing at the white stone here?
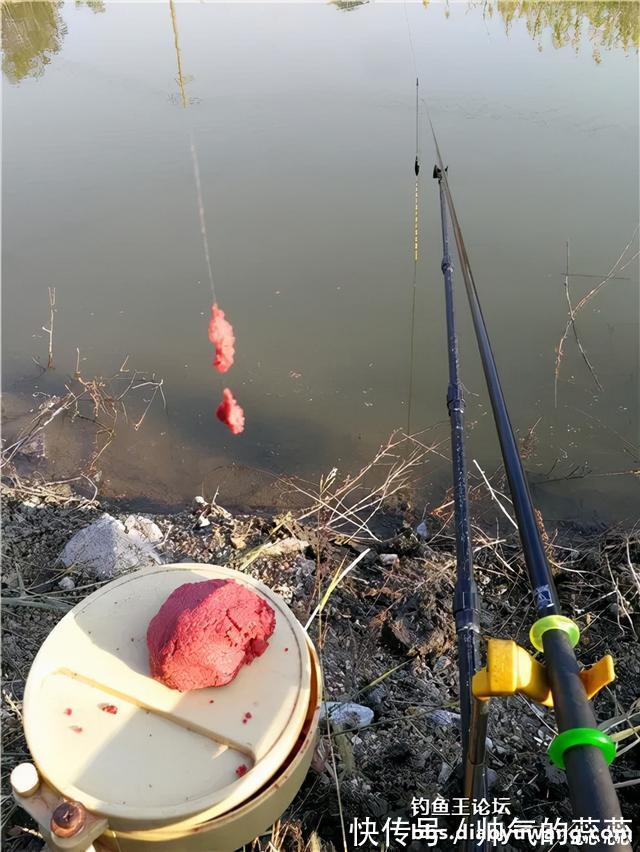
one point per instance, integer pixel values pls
(346, 714)
(144, 527)
(421, 530)
(389, 559)
(105, 549)
(66, 584)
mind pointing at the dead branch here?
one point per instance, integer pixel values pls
(49, 331)
(573, 311)
(572, 320)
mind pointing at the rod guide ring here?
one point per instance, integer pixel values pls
(553, 622)
(581, 737)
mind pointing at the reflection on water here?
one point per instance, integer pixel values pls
(607, 24)
(32, 32)
(306, 153)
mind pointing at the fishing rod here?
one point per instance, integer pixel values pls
(580, 748)
(474, 713)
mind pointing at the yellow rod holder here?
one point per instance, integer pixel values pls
(511, 669)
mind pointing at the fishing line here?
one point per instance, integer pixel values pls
(416, 251)
(194, 153)
(416, 223)
(203, 224)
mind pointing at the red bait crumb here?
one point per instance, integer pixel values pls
(247, 715)
(67, 711)
(76, 729)
(285, 650)
(222, 336)
(109, 708)
(230, 413)
(211, 701)
(241, 770)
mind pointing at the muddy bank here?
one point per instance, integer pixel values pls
(386, 638)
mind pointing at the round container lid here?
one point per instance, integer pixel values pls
(103, 732)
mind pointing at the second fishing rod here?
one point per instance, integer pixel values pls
(580, 748)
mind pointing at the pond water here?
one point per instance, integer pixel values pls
(303, 117)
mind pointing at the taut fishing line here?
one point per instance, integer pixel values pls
(416, 224)
(220, 330)
(416, 253)
(203, 223)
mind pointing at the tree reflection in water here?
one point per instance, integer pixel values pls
(32, 34)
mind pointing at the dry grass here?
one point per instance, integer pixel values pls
(103, 402)
(345, 508)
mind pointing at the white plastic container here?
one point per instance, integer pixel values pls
(208, 769)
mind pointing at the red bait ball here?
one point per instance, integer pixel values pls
(68, 711)
(230, 413)
(76, 729)
(222, 336)
(109, 708)
(241, 770)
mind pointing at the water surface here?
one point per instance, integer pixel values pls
(303, 118)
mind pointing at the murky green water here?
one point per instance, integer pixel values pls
(303, 117)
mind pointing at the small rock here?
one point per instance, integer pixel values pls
(444, 718)
(285, 547)
(285, 592)
(199, 501)
(238, 542)
(492, 777)
(203, 521)
(389, 559)
(377, 696)
(31, 502)
(422, 530)
(444, 774)
(346, 714)
(304, 567)
(66, 584)
(144, 527)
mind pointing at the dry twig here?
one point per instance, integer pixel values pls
(573, 311)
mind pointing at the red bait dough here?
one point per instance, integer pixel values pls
(205, 632)
(230, 413)
(222, 336)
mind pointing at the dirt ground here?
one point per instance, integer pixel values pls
(386, 639)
